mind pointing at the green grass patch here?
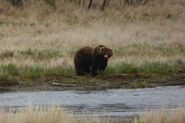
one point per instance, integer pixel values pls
(148, 68)
(36, 73)
(8, 74)
(156, 68)
(19, 74)
(33, 72)
(7, 71)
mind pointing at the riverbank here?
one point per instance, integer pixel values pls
(135, 80)
(37, 78)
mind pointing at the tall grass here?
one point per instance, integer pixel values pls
(43, 115)
(163, 116)
(57, 115)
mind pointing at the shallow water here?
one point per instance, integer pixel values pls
(119, 102)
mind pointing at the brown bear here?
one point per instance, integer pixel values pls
(90, 60)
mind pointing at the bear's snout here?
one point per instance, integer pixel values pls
(106, 56)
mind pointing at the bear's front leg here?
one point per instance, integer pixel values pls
(102, 65)
(94, 67)
(94, 70)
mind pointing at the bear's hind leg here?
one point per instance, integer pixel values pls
(87, 70)
(80, 72)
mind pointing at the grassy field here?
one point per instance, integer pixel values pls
(57, 115)
(38, 40)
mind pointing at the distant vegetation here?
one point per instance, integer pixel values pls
(89, 3)
(75, 11)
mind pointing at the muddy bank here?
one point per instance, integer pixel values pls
(97, 83)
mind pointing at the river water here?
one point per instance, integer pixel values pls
(118, 102)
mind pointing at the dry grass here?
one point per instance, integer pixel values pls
(43, 115)
(132, 43)
(57, 115)
(163, 116)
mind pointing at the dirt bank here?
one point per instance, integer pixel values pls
(99, 82)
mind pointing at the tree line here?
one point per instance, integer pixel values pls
(104, 3)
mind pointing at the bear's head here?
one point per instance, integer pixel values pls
(103, 51)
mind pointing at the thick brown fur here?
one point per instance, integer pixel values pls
(88, 60)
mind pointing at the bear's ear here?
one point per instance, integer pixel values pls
(101, 50)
